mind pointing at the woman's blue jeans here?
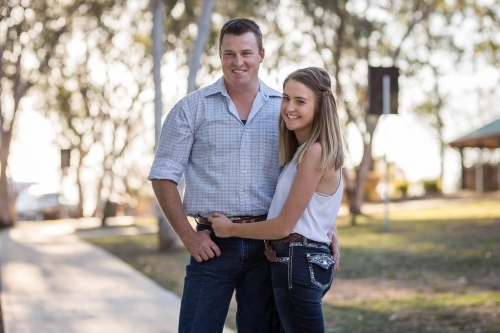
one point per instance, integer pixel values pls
(209, 286)
(301, 275)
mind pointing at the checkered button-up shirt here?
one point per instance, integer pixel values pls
(229, 167)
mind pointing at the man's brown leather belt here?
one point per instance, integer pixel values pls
(235, 219)
(292, 238)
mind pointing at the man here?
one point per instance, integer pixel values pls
(224, 138)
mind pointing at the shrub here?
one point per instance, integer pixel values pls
(432, 186)
(402, 187)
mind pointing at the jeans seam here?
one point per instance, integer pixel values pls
(243, 253)
(290, 263)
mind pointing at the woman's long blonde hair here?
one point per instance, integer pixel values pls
(325, 127)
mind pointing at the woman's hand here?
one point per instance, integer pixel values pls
(336, 253)
(221, 225)
(334, 246)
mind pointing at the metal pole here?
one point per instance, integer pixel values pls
(498, 169)
(479, 172)
(386, 98)
(462, 168)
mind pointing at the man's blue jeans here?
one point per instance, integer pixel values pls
(301, 275)
(209, 286)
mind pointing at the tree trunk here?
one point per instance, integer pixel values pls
(357, 191)
(6, 213)
(204, 23)
(99, 209)
(167, 238)
(79, 205)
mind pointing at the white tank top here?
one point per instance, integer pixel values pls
(319, 217)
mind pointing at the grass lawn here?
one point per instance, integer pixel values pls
(435, 270)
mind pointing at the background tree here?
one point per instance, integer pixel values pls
(30, 32)
(167, 239)
(441, 57)
(444, 50)
(203, 26)
(98, 87)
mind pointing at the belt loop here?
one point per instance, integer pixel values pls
(304, 240)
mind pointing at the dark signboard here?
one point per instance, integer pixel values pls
(65, 157)
(375, 89)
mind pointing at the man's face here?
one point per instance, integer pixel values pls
(240, 58)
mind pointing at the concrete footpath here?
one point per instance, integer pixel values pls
(52, 282)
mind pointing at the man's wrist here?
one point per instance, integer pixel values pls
(232, 230)
(185, 232)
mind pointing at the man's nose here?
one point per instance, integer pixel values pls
(238, 60)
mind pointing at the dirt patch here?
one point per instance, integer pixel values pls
(367, 289)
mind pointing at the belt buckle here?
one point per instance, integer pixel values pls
(235, 218)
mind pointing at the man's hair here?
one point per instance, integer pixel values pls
(240, 26)
(325, 127)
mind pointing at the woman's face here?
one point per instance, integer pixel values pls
(297, 108)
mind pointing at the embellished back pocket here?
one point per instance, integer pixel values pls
(321, 269)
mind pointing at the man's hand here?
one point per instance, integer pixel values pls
(220, 224)
(334, 245)
(201, 246)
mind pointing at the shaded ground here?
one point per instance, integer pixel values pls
(436, 270)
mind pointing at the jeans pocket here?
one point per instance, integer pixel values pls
(321, 269)
(282, 253)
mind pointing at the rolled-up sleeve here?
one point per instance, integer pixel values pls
(174, 146)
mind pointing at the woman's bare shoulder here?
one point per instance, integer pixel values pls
(315, 151)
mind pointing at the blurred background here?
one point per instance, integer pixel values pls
(78, 92)
(85, 84)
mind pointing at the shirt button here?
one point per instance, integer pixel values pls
(244, 171)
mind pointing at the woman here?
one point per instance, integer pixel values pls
(306, 201)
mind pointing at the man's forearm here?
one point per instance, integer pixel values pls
(199, 244)
(171, 204)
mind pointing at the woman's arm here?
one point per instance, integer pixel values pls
(303, 187)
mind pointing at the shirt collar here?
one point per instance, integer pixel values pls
(220, 87)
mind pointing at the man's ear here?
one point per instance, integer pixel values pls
(262, 54)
